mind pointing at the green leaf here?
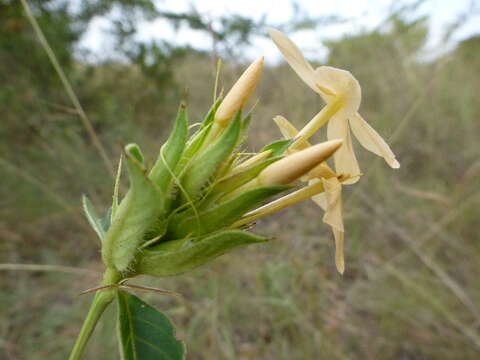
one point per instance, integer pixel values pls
(278, 147)
(144, 332)
(177, 256)
(136, 213)
(92, 217)
(220, 216)
(205, 164)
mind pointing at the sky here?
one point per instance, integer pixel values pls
(361, 15)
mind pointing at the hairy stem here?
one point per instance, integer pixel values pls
(100, 302)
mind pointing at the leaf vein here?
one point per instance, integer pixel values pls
(154, 347)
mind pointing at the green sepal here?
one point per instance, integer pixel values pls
(190, 224)
(156, 232)
(171, 153)
(244, 129)
(116, 190)
(196, 141)
(211, 113)
(278, 147)
(246, 122)
(135, 214)
(225, 167)
(192, 147)
(106, 220)
(206, 163)
(144, 332)
(135, 152)
(178, 256)
(238, 178)
(93, 219)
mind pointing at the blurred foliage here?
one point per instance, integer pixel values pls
(227, 33)
(410, 290)
(398, 39)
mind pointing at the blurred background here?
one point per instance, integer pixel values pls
(410, 290)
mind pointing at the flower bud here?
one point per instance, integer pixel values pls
(294, 166)
(239, 93)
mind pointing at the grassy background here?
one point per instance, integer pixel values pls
(410, 290)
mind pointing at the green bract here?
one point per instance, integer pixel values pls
(178, 214)
(138, 211)
(181, 255)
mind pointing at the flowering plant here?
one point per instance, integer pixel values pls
(196, 202)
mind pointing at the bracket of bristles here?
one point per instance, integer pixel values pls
(123, 285)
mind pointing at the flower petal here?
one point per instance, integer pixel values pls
(331, 202)
(286, 128)
(333, 217)
(289, 131)
(320, 199)
(322, 171)
(345, 160)
(333, 193)
(371, 140)
(339, 252)
(343, 85)
(295, 58)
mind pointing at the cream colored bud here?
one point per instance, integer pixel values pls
(294, 166)
(239, 93)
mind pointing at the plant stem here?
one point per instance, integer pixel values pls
(100, 302)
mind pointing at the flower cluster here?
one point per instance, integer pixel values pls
(342, 94)
(196, 202)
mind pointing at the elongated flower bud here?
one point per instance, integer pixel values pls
(294, 166)
(239, 93)
(290, 168)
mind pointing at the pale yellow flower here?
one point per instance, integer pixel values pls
(342, 94)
